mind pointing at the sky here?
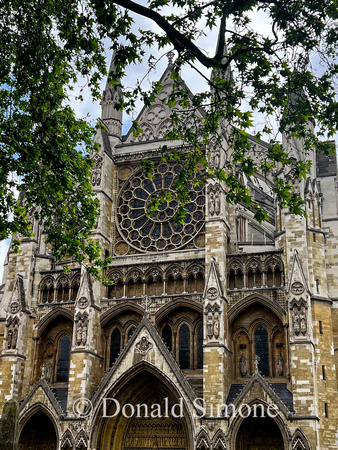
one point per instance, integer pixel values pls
(137, 72)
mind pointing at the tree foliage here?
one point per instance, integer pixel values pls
(45, 45)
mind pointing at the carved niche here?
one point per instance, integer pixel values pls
(97, 169)
(81, 321)
(299, 317)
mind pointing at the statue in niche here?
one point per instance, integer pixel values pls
(43, 370)
(243, 365)
(280, 365)
(217, 204)
(79, 333)
(84, 333)
(210, 327)
(212, 204)
(296, 321)
(302, 320)
(216, 326)
(15, 338)
(9, 339)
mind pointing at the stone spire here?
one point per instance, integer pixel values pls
(111, 117)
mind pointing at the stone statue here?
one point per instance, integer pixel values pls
(84, 333)
(15, 338)
(79, 333)
(212, 204)
(9, 339)
(217, 204)
(280, 364)
(48, 372)
(43, 370)
(210, 327)
(302, 320)
(243, 365)
(295, 320)
(216, 327)
(256, 363)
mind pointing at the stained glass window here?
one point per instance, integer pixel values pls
(167, 336)
(262, 349)
(115, 346)
(63, 361)
(184, 347)
(200, 347)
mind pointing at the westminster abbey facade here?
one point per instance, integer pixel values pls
(221, 311)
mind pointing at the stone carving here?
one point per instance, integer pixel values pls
(211, 204)
(146, 303)
(12, 333)
(280, 365)
(81, 329)
(302, 320)
(297, 288)
(256, 363)
(243, 365)
(214, 200)
(217, 203)
(299, 320)
(96, 170)
(216, 327)
(213, 322)
(212, 293)
(14, 308)
(156, 114)
(46, 371)
(83, 303)
(210, 327)
(144, 345)
(214, 158)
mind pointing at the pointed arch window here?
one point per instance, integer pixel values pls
(131, 331)
(115, 346)
(74, 291)
(167, 336)
(262, 349)
(200, 347)
(63, 360)
(184, 347)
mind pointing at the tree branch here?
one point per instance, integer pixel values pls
(180, 42)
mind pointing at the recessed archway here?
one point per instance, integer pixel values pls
(38, 433)
(256, 433)
(163, 430)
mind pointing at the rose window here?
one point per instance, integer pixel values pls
(158, 231)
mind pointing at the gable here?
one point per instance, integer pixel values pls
(154, 120)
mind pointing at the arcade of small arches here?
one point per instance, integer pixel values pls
(255, 274)
(156, 282)
(64, 289)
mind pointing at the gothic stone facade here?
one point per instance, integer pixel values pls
(190, 310)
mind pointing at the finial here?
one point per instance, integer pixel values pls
(170, 56)
(146, 302)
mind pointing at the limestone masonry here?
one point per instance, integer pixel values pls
(222, 308)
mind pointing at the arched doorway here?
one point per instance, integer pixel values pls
(257, 433)
(127, 431)
(38, 433)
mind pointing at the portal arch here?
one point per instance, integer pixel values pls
(143, 384)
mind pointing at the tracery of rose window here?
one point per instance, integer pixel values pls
(159, 232)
